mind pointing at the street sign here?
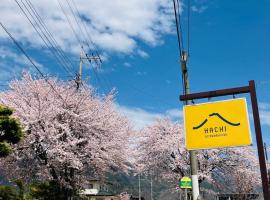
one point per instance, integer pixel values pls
(185, 183)
(217, 124)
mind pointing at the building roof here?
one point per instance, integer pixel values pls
(233, 195)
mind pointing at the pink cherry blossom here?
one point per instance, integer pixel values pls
(161, 151)
(69, 134)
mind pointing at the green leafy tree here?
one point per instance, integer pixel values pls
(20, 186)
(47, 191)
(10, 131)
(8, 192)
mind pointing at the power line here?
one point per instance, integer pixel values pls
(87, 32)
(30, 60)
(94, 57)
(71, 26)
(188, 28)
(177, 28)
(180, 23)
(57, 46)
(89, 59)
(76, 20)
(41, 34)
(22, 50)
(179, 34)
(87, 41)
(69, 22)
(45, 39)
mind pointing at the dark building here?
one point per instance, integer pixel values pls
(136, 198)
(236, 196)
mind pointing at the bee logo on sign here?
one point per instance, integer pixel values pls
(217, 124)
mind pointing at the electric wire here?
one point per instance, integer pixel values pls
(49, 44)
(94, 57)
(180, 23)
(102, 81)
(48, 38)
(30, 60)
(87, 32)
(77, 22)
(87, 41)
(42, 35)
(89, 58)
(188, 28)
(57, 46)
(69, 22)
(180, 40)
(177, 29)
(96, 73)
(106, 81)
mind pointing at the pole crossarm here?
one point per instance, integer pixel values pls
(215, 93)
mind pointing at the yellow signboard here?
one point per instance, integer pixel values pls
(185, 183)
(217, 124)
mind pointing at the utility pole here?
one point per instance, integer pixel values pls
(84, 56)
(265, 151)
(151, 188)
(192, 153)
(186, 195)
(266, 156)
(79, 75)
(78, 79)
(80, 69)
(139, 186)
(267, 164)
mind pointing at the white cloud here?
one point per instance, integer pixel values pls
(140, 118)
(264, 106)
(114, 26)
(126, 64)
(12, 64)
(168, 81)
(175, 114)
(199, 9)
(143, 54)
(265, 117)
(265, 113)
(141, 73)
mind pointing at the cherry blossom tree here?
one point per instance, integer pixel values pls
(162, 151)
(69, 134)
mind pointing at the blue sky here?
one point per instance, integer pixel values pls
(137, 41)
